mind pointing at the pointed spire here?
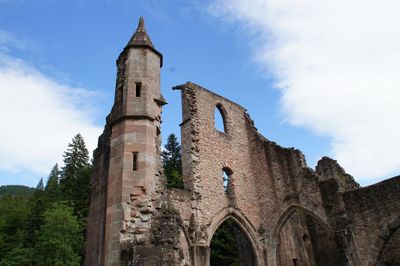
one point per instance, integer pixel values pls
(140, 37)
(141, 26)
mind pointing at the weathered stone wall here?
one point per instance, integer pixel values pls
(210, 151)
(97, 211)
(267, 182)
(374, 212)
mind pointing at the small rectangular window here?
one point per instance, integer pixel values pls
(121, 93)
(134, 161)
(138, 89)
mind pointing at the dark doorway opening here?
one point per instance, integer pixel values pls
(231, 247)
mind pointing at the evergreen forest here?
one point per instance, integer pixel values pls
(46, 225)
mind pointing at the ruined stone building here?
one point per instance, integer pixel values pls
(284, 212)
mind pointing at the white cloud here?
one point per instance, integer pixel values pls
(39, 117)
(337, 64)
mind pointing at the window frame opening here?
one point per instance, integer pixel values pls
(138, 89)
(220, 119)
(227, 180)
(135, 161)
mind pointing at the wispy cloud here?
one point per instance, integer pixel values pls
(9, 40)
(337, 64)
(39, 116)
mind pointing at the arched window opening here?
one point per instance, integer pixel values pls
(219, 119)
(231, 246)
(226, 179)
(303, 240)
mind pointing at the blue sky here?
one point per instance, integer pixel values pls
(57, 75)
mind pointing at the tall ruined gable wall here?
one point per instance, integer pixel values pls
(207, 151)
(267, 182)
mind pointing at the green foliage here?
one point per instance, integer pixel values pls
(52, 190)
(14, 212)
(82, 193)
(46, 225)
(18, 256)
(172, 162)
(60, 239)
(36, 213)
(224, 248)
(75, 159)
(16, 190)
(75, 177)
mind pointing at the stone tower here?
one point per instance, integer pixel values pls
(127, 160)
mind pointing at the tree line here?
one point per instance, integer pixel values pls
(46, 226)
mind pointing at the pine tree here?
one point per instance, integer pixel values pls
(82, 193)
(60, 239)
(75, 181)
(172, 162)
(37, 211)
(75, 174)
(75, 158)
(52, 190)
(40, 186)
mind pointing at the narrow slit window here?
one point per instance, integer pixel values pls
(121, 93)
(226, 179)
(138, 89)
(134, 161)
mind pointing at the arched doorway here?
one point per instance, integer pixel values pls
(304, 239)
(230, 246)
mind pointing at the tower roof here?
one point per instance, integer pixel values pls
(140, 37)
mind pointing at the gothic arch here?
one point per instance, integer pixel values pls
(313, 237)
(243, 223)
(287, 213)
